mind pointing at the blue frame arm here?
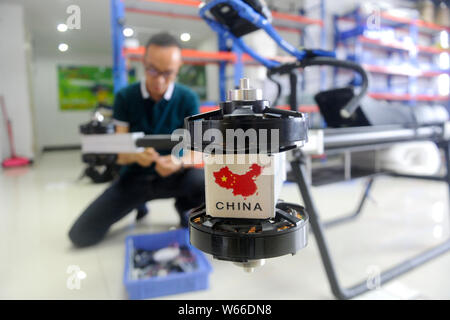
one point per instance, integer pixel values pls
(248, 13)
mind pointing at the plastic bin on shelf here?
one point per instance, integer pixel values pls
(172, 283)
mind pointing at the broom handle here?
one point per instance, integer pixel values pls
(8, 126)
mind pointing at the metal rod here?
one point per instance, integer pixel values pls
(346, 138)
(347, 165)
(411, 176)
(356, 213)
(399, 269)
(318, 229)
(316, 226)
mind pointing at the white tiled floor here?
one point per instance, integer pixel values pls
(39, 204)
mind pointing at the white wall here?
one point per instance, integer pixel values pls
(14, 81)
(57, 128)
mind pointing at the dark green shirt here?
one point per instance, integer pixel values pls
(133, 107)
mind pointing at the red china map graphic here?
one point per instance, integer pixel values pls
(242, 184)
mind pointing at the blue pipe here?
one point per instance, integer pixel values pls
(117, 39)
(248, 13)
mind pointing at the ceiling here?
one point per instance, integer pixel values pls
(42, 17)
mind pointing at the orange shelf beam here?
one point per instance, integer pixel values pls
(407, 97)
(204, 109)
(195, 3)
(432, 49)
(163, 14)
(193, 17)
(401, 46)
(192, 56)
(190, 3)
(301, 108)
(296, 18)
(402, 72)
(419, 23)
(389, 44)
(434, 73)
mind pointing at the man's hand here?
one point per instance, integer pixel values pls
(167, 165)
(146, 158)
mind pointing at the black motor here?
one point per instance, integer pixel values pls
(100, 167)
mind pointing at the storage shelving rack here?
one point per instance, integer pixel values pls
(188, 9)
(356, 42)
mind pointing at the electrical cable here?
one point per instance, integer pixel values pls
(353, 104)
(223, 24)
(278, 84)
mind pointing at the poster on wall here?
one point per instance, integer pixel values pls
(84, 87)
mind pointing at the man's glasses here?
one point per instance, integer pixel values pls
(153, 72)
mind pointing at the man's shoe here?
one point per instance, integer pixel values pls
(184, 219)
(142, 211)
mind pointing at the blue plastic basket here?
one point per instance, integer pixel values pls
(172, 283)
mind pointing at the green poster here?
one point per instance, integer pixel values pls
(83, 87)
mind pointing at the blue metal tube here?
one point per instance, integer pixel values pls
(247, 12)
(117, 39)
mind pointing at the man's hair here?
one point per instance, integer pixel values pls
(163, 39)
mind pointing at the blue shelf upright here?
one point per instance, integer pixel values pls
(117, 39)
(395, 36)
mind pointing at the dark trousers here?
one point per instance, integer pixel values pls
(130, 192)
